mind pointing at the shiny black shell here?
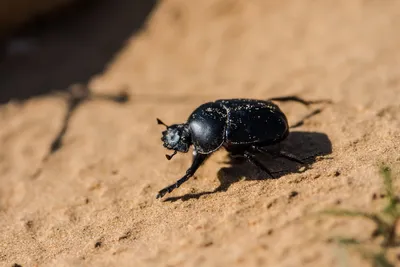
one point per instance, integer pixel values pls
(236, 122)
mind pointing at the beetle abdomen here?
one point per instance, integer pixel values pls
(254, 121)
(207, 125)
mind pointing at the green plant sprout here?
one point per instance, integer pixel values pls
(385, 223)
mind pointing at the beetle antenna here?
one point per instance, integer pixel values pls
(169, 157)
(162, 123)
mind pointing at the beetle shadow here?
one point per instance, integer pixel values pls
(70, 45)
(75, 97)
(307, 146)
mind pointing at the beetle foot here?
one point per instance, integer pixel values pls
(166, 190)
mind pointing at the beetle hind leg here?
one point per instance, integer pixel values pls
(299, 100)
(308, 116)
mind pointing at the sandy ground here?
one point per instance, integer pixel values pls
(92, 202)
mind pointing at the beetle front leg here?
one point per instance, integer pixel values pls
(197, 161)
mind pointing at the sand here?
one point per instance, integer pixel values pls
(92, 202)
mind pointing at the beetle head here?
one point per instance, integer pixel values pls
(176, 137)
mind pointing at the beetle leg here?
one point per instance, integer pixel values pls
(301, 122)
(253, 160)
(194, 153)
(299, 100)
(197, 161)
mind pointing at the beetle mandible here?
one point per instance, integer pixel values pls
(242, 126)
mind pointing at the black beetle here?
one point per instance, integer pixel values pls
(242, 126)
